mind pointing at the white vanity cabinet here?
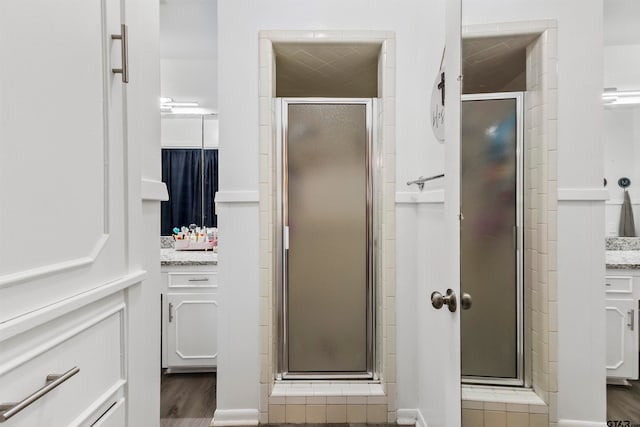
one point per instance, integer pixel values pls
(190, 316)
(622, 295)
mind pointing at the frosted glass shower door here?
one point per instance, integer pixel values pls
(490, 264)
(327, 214)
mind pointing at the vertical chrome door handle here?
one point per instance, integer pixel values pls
(632, 315)
(124, 71)
(170, 312)
(450, 300)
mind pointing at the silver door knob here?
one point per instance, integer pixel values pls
(465, 301)
(437, 300)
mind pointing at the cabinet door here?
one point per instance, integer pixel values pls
(622, 338)
(62, 152)
(192, 332)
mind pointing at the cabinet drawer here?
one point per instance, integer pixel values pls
(93, 344)
(114, 417)
(193, 280)
(618, 284)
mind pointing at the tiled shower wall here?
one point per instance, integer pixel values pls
(337, 405)
(541, 215)
(485, 406)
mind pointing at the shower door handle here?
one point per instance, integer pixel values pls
(450, 300)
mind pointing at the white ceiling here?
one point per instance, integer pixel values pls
(621, 22)
(188, 29)
(495, 64)
(327, 69)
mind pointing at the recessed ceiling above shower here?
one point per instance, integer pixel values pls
(346, 70)
(495, 64)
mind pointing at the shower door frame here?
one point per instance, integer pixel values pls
(281, 233)
(522, 363)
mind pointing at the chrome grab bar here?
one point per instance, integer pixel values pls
(8, 410)
(421, 180)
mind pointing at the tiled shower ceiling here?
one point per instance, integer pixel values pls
(495, 64)
(327, 70)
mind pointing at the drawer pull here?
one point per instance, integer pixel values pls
(124, 71)
(203, 279)
(8, 410)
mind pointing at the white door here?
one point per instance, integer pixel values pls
(622, 341)
(440, 383)
(192, 330)
(61, 152)
(70, 203)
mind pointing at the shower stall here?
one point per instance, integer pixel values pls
(491, 239)
(325, 238)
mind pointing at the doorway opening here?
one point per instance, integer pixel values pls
(327, 237)
(326, 216)
(491, 236)
(189, 140)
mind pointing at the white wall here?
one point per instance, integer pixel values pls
(581, 386)
(419, 28)
(143, 123)
(621, 132)
(186, 132)
(190, 80)
(622, 66)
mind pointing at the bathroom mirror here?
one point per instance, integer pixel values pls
(188, 104)
(190, 171)
(621, 100)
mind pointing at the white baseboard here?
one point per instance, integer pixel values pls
(407, 417)
(578, 423)
(420, 421)
(411, 417)
(235, 417)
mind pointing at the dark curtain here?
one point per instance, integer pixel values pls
(210, 187)
(181, 173)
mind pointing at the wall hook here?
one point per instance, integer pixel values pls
(624, 182)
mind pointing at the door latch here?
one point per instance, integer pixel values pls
(449, 299)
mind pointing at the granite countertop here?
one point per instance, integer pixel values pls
(623, 253)
(169, 256)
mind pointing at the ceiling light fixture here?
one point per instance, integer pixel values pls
(613, 96)
(182, 104)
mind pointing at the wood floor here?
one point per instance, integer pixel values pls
(623, 403)
(187, 400)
